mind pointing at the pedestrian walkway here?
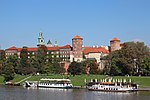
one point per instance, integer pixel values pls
(23, 80)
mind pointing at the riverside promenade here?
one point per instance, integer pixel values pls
(18, 83)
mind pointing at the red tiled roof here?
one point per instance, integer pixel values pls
(12, 48)
(115, 39)
(94, 50)
(65, 47)
(36, 48)
(32, 49)
(19, 49)
(77, 37)
(53, 48)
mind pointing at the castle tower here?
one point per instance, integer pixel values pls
(77, 43)
(49, 43)
(55, 44)
(114, 44)
(40, 39)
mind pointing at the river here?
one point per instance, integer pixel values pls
(20, 93)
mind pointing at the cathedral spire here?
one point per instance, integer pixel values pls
(49, 43)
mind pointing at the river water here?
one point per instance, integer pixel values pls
(20, 93)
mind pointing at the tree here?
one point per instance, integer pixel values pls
(146, 66)
(74, 68)
(24, 64)
(8, 72)
(128, 60)
(46, 69)
(24, 57)
(84, 65)
(41, 57)
(93, 67)
(135, 53)
(115, 68)
(2, 55)
(15, 62)
(57, 68)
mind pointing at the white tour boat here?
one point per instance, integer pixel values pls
(112, 86)
(50, 83)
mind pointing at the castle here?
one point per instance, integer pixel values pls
(77, 52)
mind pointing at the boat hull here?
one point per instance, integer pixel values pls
(67, 87)
(111, 90)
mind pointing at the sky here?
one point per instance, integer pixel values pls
(96, 21)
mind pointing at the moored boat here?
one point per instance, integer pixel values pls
(112, 86)
(55, 83)
(50, 83)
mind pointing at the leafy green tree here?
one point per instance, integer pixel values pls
(33, 63)
(115, 68)
(74, 68)
(46, 69)
(2, 55)
(128, 60)
(24, 64)
(24, 57)
(146, 66)
(8, 72)
(84, 66)
(15, 62)
(93, 67)
(2, 60)
(135, 53)
(41, 57)
(57, 68)
(49, 58)
(1, 66)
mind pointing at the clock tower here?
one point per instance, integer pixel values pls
(40, 39)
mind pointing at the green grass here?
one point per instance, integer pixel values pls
(1, 79)
(79, 80)
(18, 78)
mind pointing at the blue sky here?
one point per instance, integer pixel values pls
(97, 21)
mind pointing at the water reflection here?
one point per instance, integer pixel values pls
(20, 93)
(97, 95)
(48, 89)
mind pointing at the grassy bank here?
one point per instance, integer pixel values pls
(79, 80)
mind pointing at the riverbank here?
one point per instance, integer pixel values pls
(79, 80)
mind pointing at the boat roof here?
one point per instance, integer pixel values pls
(48, 79)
